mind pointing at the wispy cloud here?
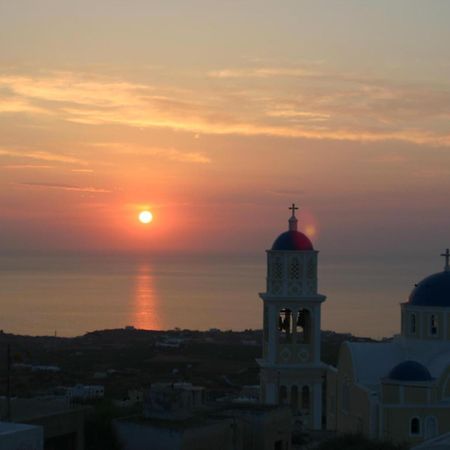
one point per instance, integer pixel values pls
(172, 154)
(291, 102)
(26, 166)
(82, 170)
(19, 105)
(41, 156)
(65, 187)
(262, 72)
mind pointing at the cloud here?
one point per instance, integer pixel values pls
(171, 154)
(82, 170)
(289, 102)
(65, 187)
(42, 156)
(18, 105)
(26, 166)
(192, 157)
(262, 72)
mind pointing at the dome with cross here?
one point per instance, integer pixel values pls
(292, 239)
(433, 290)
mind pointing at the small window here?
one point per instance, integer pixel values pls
(305, 398)
(415, 426)
(413, 324)
(433, 325)
(283, 395)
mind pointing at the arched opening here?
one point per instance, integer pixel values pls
(303, 326)
(433, 325)
(283, 395)
(431, 427)
(412, 324)
(285, 324)
(294, 399)
(306, 400)
(415, 426)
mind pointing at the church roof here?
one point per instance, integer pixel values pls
(410, 371)
(432, 291)
(371, 362)
(292, 239)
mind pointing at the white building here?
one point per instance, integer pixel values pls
(86, 392)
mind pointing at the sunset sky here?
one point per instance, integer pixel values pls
(216, 116)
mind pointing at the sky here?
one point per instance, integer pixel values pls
(216, 116)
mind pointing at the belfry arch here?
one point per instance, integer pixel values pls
(303, 326)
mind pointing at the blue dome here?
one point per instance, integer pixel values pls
(292, 240)
(432, 291)
(410, 371)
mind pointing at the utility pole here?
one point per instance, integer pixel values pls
(8, 383)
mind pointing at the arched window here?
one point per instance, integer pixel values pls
(415, 426)
(433, 325)
(285, 324)
(283, 395)
(303, 326)
(305, 398)
(294, 399)
(412, 324)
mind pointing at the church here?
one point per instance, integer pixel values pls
(397, 390)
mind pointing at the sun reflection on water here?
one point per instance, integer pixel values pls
(146, 303)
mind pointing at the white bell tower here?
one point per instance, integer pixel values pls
(291, 370)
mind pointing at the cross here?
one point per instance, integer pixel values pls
(446, 255)
(293, 208)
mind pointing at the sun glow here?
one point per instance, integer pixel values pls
(145, 217)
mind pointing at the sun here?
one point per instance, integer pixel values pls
(145, 217)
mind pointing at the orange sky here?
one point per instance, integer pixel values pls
(218, 118)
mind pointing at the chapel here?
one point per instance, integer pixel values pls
(398, 389)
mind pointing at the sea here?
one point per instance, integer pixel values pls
(71, 294)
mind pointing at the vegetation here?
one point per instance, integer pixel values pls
(99, 433)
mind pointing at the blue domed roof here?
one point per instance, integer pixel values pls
(432, 291)
(292, 240)
(410, 371)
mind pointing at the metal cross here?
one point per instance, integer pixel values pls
(446, 255)
(293, 208)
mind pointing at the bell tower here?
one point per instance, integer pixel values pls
(291, 370)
